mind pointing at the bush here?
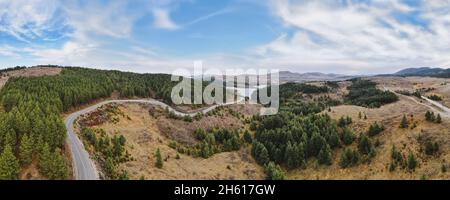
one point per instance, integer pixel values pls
(349, 158)
(431, 148)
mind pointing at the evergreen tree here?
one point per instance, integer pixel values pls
(333, 140)
(404, 122)
(438, 119)
(159, 161)
(26, 149)
(348, 158)
(324, 156)
(205, 151)
(365, 145)
(411, 163)
(109, 167)
(45, 159)
(260, 153)
(9, 165)
(347, 136)
(375, 129)
(273, 171)
(428, 116)
(247, 137)
(58, 166)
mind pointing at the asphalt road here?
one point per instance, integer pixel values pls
(435, 106)
(83, 167)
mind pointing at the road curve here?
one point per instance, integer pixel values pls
(445, 111)
(435, 106)
(83, 167)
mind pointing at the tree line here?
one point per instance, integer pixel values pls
(364, 93)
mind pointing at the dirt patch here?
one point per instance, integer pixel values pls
(29, 72)
(106, 113)
(182, 131)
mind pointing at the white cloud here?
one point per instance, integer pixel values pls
(363, 36)
(162, 20)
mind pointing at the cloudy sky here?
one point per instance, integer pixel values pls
(338, 36)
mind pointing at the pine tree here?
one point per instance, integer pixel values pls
(411, 163)
(260, 153)
(58, 166)
(247, 137)
(273, 172)
(428, 116)
(45, 158)
(347, 136)
(9, 165)
(404, 122)
(26, 149)
(438, 119)
(159, 161)
(365, 145)
(324, 156)
(348, 158)
(110, 167)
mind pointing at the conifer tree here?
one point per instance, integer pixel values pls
(9, 165)
(404, 122)
(247, 137)
(273, 171)
(438, 119)
(411, 163)
(26, 149)
(324, 156)
(159, 161)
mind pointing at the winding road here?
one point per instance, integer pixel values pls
(83, 167)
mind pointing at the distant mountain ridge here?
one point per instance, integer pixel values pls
(287, 76)
(424, 71)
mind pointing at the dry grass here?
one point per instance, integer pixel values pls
(144, 134)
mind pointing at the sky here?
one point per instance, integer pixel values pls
(154, 36)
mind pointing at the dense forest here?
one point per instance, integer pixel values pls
(364, 93)
(31, 126)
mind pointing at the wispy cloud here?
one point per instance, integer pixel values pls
(209, 16)
(162, 20)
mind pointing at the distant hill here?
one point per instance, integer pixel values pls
(424, 71)
(286, 76)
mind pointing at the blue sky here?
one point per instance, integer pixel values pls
(345, 36)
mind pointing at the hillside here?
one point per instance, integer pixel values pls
(424, 71)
